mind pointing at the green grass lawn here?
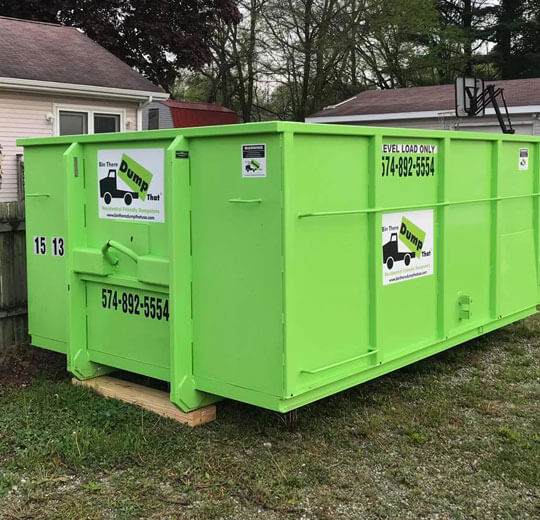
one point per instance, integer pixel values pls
(455, 436)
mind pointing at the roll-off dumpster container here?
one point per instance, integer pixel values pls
(276, 263)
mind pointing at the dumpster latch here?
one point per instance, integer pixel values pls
(113, 244)
(150, 269)
(464, 304)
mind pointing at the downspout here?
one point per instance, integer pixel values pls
(142, 105)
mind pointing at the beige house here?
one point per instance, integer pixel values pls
(54, 80)
(434, 108)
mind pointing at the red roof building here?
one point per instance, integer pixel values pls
(182, 114)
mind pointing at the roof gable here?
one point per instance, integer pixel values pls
(56, 53)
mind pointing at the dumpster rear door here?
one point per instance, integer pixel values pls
(123, 262)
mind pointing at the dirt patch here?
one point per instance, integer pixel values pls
(18, 365)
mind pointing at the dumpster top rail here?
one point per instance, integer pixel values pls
(272, 126)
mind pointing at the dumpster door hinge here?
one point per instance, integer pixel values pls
(464, 304)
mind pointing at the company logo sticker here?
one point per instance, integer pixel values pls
(407, 250)
(131, 184)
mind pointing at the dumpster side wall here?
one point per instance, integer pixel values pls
(47, 247)
(348, 316)
(328, 252)
(237, 267)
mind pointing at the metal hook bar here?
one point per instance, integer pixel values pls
(112, 244)
(245, 201)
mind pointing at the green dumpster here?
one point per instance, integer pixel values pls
(276, 263)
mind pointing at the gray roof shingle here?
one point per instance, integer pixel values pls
(518, 92)
(50, 52)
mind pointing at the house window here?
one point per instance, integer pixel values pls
(73, 123)
(106, 123)
(79, 120)
(153, 118)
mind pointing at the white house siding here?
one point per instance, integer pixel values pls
(165, 116)
(526, 124)
(24, 115)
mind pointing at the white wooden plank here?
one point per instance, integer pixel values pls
(148, 398)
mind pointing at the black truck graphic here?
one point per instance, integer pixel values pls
(391, 253)
(253, 166)
(109, 191)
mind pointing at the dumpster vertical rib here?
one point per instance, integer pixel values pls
(444, 158)
(496, 167)
(183, 392)
(77, 333)
(77, 350)
(374, 240)
(286, 158)
(180, 271)
(536, 215)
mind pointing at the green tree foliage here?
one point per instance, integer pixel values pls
(529, 46)
(312, 53)
(307, 44)
(296, 56)
(509, 15)
(37, 10)
(517, 39)
(468, 23)
(395, 45)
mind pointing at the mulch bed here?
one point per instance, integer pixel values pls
(18, 365)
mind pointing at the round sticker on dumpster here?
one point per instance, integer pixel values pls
(130, 184)
(407, 245)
